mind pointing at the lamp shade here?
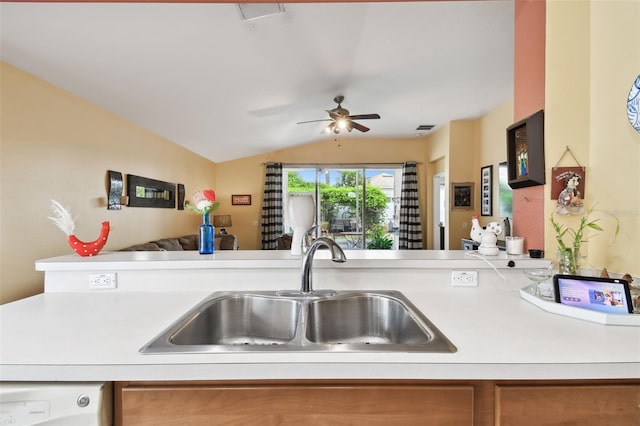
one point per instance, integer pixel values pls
(221, 220)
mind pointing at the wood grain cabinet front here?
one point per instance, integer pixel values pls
(614, 402)
(291, 404)
(601, 405)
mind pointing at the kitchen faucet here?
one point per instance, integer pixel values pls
(307, 238)
(337, 255)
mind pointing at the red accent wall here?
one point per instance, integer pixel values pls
(529, 76)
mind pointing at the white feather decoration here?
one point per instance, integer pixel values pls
(62, 218)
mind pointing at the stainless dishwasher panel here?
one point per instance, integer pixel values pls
(56, 404)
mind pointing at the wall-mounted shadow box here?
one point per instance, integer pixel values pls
(525, 151)
(145, 192)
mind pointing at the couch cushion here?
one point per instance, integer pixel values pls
(143, 247)
(225, 242)
(189, 242)
(169, 244)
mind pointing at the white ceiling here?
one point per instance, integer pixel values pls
(226, 88)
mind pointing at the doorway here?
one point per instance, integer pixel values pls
(359, 207)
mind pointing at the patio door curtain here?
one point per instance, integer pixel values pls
(272, 206)
(410, 236)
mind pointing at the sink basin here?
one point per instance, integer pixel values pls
(364, 319)
(383, 321)
(240, 320)
(231, 321)
(373, 321)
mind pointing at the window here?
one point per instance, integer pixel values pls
(356, 206)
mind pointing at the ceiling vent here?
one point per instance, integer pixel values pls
(249, 11)
(425, 127)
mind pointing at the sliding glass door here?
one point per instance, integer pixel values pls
(356, 206)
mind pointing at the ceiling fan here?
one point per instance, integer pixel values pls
(342, 120)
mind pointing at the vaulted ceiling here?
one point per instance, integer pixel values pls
(226, 88)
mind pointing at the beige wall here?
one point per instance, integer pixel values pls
(459, 149)
(463, 167)
(56, 145)
(493, 145)
(592, 60)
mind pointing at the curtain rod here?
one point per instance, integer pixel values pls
(346, 165)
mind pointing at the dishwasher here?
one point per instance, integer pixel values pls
(56, 404)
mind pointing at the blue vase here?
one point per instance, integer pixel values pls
(205, 241)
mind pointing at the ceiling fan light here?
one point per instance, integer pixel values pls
(342, 123)
(332, 128)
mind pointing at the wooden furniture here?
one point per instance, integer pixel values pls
(380, 402)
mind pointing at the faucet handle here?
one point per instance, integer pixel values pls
(307, 238)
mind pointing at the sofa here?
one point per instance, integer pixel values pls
(187, 242)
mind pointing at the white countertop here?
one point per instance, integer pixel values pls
(276, 259)
(85, 335)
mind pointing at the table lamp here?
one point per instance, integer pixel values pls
(221, 221)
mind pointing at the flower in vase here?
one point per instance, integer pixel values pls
(570, 240)
(203, 202)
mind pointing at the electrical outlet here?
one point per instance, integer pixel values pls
(464, 278)
(102, 281)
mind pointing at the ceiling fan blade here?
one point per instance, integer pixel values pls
(314, 121)
(365, 117)
(359, 127)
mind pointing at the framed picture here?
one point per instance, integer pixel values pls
(181, 195)
(145, 192)
(241, 200)
(486, 186)
(525, 151)
(560, 177)
(462, 195)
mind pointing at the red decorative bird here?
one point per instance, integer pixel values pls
(63, 219)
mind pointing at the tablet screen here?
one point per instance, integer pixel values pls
(607, 295)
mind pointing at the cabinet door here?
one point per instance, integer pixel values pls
(599, 405)
(297, 405)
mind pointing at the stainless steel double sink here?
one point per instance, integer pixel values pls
(369, 321)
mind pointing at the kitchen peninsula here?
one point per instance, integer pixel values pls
(74, 333)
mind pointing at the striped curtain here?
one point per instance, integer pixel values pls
(272, 206)
(410, 226)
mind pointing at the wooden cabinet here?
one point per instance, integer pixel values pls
(292, 404)
(380, 402)
(580, 405)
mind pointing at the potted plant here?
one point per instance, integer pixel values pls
(570, 241)
(379, 239)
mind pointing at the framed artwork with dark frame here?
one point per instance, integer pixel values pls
(241, 200)
(525, 151)
(486, 186)
(462, 195)
(181, 195)
(145, 192)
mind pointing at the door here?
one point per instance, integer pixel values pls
(358, 207)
